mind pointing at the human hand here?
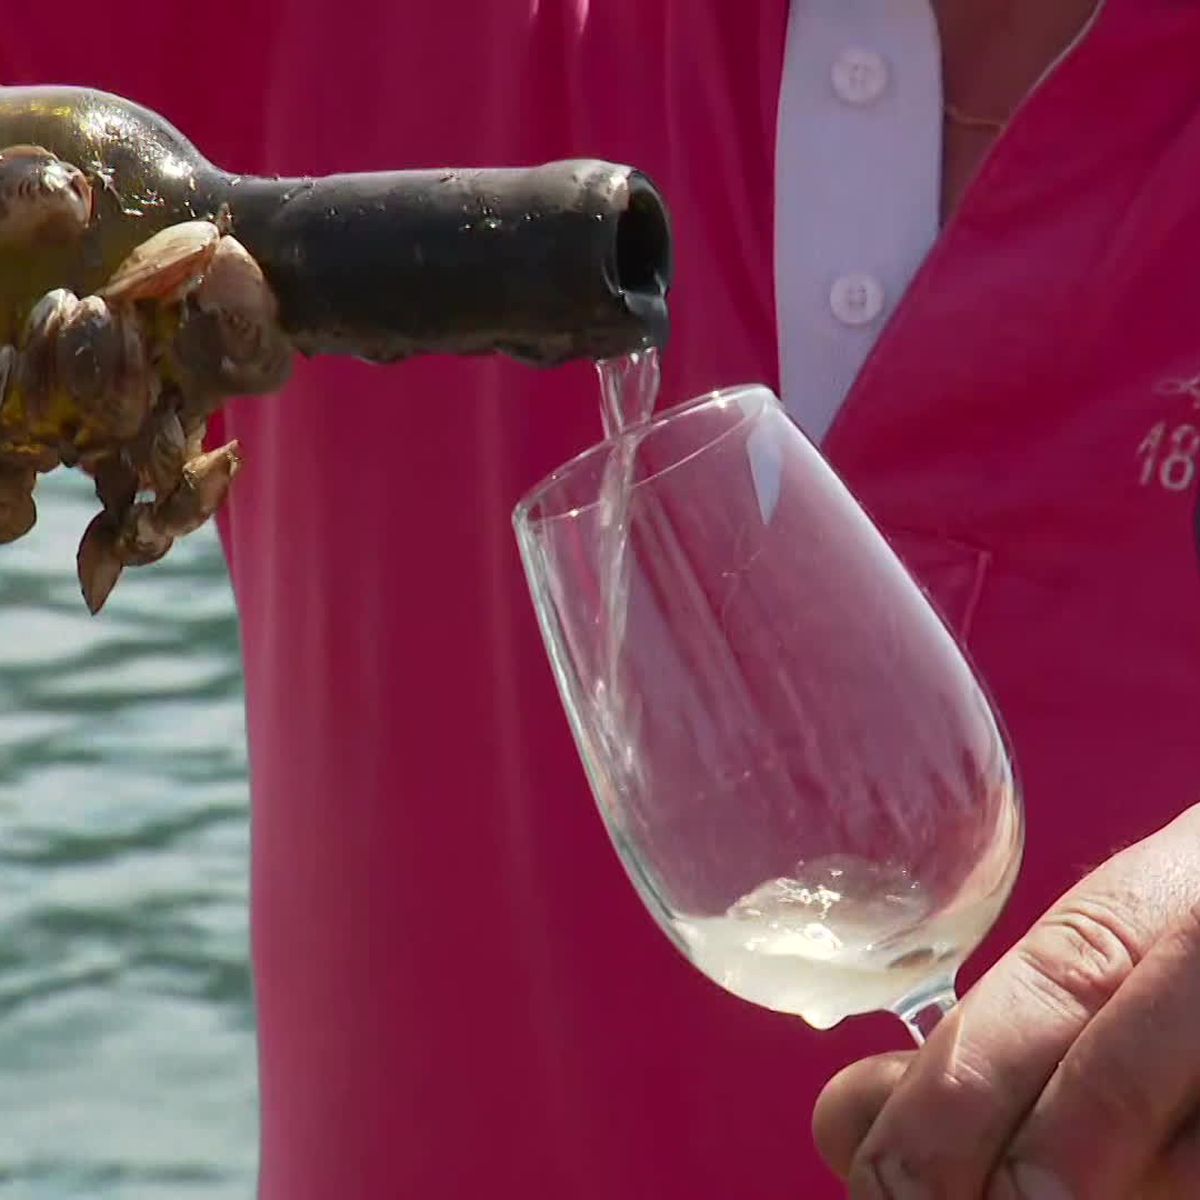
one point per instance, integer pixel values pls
(1071, 1071)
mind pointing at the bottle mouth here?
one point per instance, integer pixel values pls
(643, 257)
(644, 241)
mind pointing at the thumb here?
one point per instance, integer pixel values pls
(849, 1104)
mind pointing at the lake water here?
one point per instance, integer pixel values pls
(127, 1048)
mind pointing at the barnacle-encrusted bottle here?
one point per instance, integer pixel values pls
(140, 285)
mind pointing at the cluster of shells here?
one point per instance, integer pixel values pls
(120, 383)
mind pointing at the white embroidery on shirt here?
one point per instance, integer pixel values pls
(1181, 387)
(1168, 452)
(1168, 456)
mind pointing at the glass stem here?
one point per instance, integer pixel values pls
(922, 1016)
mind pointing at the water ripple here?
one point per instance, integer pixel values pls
(126, 1026)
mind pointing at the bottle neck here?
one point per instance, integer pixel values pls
(565, 261)
(569, 260)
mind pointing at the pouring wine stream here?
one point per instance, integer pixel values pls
(629, 387)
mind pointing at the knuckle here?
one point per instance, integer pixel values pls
(1077, 956)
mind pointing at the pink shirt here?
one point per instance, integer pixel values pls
(459, 992)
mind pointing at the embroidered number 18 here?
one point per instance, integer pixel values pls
(1168, 456)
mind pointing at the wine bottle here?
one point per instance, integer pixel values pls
(140, 285)
(546, 264)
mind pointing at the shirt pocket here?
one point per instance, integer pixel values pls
(952, 574)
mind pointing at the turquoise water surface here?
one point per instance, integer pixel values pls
(126, 1025)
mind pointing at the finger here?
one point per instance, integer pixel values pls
(849, 1104)
(969, 1088)
(1116, 1101)
(1175, 1174)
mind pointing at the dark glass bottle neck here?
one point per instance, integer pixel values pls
(568, 260)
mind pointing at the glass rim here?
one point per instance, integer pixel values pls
(718, 397)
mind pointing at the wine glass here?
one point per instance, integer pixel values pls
(802, 775)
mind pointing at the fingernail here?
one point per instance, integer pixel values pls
(1032, 1183)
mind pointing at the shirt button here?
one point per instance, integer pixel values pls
(860, 76)
(856, 299)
